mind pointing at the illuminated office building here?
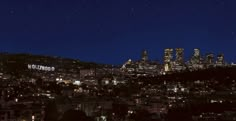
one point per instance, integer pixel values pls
(196, 52)
(196, 62)
(179, 56)
(220, 60)
(168, 56)
(145, 56)
(196, 57)
(209, 59)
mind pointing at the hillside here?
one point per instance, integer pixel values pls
(18, 62)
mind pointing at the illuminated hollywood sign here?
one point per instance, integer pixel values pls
(40, 67)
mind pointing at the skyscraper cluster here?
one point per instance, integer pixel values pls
(173, 60)
(169, 61)
(197, 61)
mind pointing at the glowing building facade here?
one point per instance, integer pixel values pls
(168, 57)
(196, 57)
(179, 60)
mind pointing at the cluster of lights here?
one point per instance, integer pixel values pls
(78, 83)
(59, 79)
(216, 101)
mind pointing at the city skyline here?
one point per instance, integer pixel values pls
(170, 55)
(177, 54)
(113, 31)
(118, 60)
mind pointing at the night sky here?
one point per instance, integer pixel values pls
(112, 31)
